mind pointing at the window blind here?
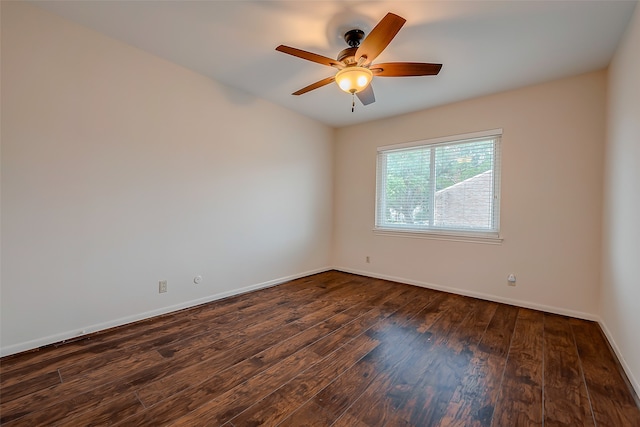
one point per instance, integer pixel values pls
(450, 185)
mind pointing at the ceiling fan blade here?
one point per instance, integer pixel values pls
(379, 37)
(405, 69)
(366, 95)
(310, 56)
(315, 85)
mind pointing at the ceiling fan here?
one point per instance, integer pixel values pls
(354, 64)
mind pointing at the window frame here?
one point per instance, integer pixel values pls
(456, 234)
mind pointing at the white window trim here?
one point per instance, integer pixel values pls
(454, 236)
(443, 139)
(488, 237)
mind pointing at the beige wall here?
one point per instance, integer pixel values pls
(552, 146)
(120, 169)
(620, 292)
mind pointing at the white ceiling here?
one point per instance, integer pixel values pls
(485, 46)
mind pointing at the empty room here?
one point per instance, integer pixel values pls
(320, 213)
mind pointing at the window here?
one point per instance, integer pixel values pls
(447, 186)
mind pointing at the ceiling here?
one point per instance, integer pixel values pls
(485, 46)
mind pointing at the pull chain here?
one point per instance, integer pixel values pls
(353, 101)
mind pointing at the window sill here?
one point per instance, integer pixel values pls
(485, 238)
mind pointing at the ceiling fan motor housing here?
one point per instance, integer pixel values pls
(354, 37)
(348, 55)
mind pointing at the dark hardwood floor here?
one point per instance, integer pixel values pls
(333, 349)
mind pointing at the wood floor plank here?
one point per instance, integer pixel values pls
(109, 369)
(235, 401)
(424, 383)
(311, 286)
(566, 402)
(117, 409)
(196, 374)
(468, 336)
(269, 411)
(340, 394)
(229, 404)
(473, 327)
(111, 343)
(113, 411)
(276, 406)
(345, 420)
(92, 397)
(520, 400)
(204, 348)
(212, 326)
(381, 403)
(217, 377)
(329, 349)
(86, 384)
(333, 341)
(473, 401)
(396, 341)
(214, 394)
(611, 401)
(499, 331)
(186, 378)
(166, 368)
(458, 347)
(308, 416)
(33, 384)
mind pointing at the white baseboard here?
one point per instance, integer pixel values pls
(479, 295)
(65, 336)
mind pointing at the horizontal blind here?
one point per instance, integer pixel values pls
(448, 186)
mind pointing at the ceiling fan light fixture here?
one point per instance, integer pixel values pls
(353, 79)
(356, 61)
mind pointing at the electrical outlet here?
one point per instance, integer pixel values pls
(511, 280)
(162, 286)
